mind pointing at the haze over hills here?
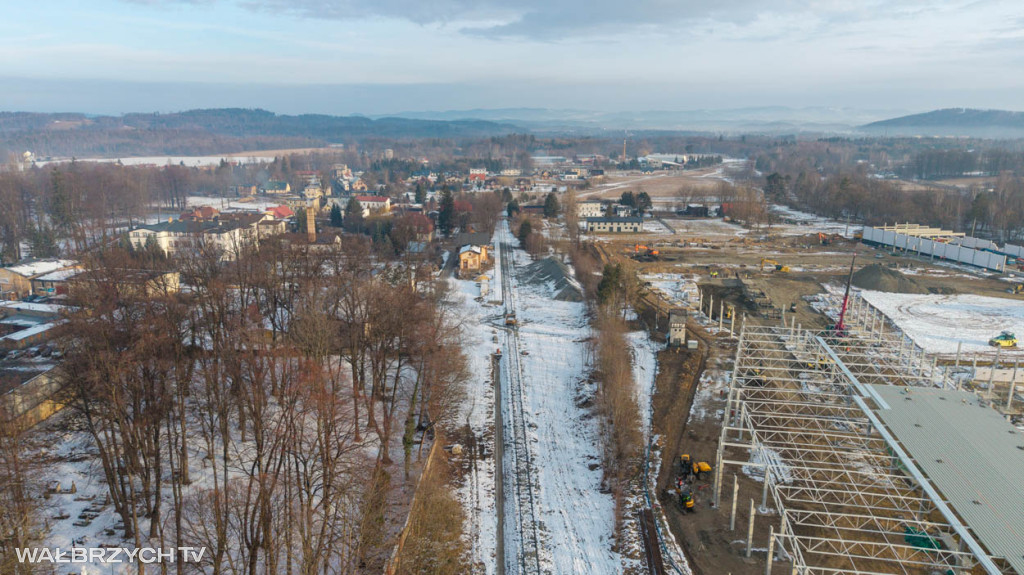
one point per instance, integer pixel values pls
(764, 119)
(965, 122)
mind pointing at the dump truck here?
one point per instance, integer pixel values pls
(1005, 339)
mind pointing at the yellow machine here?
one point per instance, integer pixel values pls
(1017, 289)
(1005, 339)
(730, 311)
(700, 469)
(776, 265)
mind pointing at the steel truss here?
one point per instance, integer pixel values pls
(848, 499)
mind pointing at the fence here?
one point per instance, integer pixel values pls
(947, 251)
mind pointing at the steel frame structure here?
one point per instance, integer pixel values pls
(848, 498)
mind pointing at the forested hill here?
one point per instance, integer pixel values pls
(953, 122)
(197, 132)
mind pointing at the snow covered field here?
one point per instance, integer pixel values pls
(938, 322)
(801, 223)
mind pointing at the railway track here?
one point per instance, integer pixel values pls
(526, 545)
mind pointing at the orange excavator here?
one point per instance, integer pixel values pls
(644, 253)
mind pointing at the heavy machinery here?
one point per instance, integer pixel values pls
(1016, 289)
(1005, 339)
(701, 469)
(792, 307)
(510, 318)
(775, 265)
(644, 253)
(839, 328)
(823, 239)
(686, 498)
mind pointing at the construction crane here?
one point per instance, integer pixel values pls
(775, 265)
(839, 329)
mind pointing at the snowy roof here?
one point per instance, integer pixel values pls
(59, 275)
(372, 199)
(27, 306)
(950, 434)
(34, 268)
(29, 332)
(474, 249)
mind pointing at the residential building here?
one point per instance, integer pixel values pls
(54, 283)
(472, 258)
(16, 280)
(590, 209)
(227, 234)
(374, 204)
(615, 225)
(677, 328)
(275, 187)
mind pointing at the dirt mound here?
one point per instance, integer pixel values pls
(878, 278)
(556, 276)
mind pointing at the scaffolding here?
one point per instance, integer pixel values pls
(846, 495)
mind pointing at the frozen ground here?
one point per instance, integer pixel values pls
(477, 493)
(800, 223)
(576, 519)
(938, 322)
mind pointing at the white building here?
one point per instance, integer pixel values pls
(374, 204)
(615, 225)
(590, 209)
(228, 235)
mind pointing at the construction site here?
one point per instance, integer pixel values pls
(845, 403)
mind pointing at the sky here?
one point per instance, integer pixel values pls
(388, 56)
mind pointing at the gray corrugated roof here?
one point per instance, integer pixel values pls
(971, 454)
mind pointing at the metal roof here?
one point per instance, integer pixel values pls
(971, 454)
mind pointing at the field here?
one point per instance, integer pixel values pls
(938, 322)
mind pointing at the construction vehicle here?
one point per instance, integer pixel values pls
(1005, 339)
(839, 328)
(644, 253)
(510, 318)
(823, 239)
(775, 265)
(792, 307)
(1016, 289)
(686, 502)
(701, 469)
(730, 311)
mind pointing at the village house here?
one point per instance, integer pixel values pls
(615, 225)
(275, 187)
(472, 258)
(374, 204)
(16, 280)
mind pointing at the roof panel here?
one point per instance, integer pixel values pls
(971, 454)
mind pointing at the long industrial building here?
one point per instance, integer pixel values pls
(873, 461)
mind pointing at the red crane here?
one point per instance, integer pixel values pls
(839, 329)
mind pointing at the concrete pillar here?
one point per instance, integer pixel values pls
(732, 324)
(750, 529)
(735, 497)
(959, 346)
(771, 550)
(721, 314)
(764, 491)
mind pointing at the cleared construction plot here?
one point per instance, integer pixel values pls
(938, 323)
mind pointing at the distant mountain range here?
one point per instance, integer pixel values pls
(214, 131)
(964, 122)
(764, 119)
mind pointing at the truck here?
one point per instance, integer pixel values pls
(1005, 339)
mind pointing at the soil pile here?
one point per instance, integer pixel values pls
(556, 276)
(878, 278)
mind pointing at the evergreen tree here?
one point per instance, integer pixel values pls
(446, 215)
(421, 194)
(513, 208)
(627, 199)
(336, 218)
(611, 284)
(551, 207)
(525, 229)
(353, 221)
(643, 202)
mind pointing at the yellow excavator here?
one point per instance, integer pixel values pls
(776, 265)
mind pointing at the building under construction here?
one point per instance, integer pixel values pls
(873, 461)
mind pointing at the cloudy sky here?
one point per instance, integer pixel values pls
(386, 56)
